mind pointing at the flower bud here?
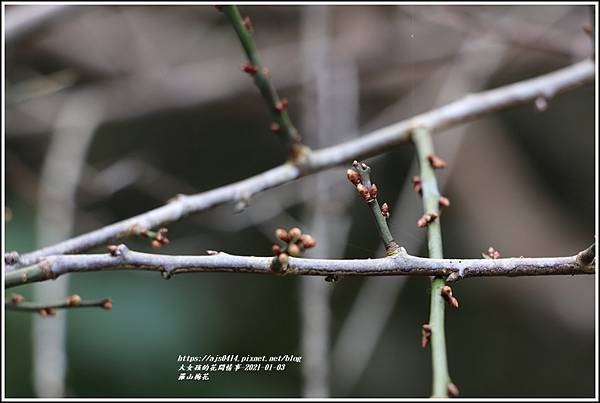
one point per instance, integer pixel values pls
(436, 162)
(16, 298)
(373, 191)
(385, 210)
(353, 176)
(74, 300)
(293, 249)
(276, 249)
(282, 234)
(295, 233)
(308, 241)
(362, 191)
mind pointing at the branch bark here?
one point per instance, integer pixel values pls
(460, 111)
(431, 208)
(122, 258)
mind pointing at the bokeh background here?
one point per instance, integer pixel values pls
(112, 110)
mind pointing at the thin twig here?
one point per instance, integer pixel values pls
(17, 303)
(431, 199)
(460, 111)
(360, 177)
(282, 123)
(121, 258)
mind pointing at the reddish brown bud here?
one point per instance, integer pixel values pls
(450, 299)
(156, 244)
(74, 300)
(385, 210)
(373, 191)
(425, 335)
(353, 176)
(248, 68)
(43, 312)
(308, 241)
(282, 234)
(416, 181)
(275, 127)
(283, 259)
(281, 105)
(143, 232)
(248, 24)
(492, 253)
(107, 304)
(452, 390)
(426, 219)
(436, 162)
(276, 249)
(16, 298)
(587, 28)
(293, 249)
(112, 249)
(444, 202)
(295, 233)
(362, 191)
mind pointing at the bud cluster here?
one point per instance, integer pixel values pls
(492, 253)
(159, 238)
(295, 242)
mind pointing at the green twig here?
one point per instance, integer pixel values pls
(361, 178)
(282, 123)
(16, 303)
(442, 383)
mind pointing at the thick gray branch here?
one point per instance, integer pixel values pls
(460, 111)
(124, 259)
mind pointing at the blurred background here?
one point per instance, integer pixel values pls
(112, 110)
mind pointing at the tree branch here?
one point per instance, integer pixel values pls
(460, 111)
(282, 123)
(431, 198)
(360, 177)
(16, 303)
(121, 258)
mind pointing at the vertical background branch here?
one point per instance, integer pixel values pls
(431, 208)
(57, 206)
